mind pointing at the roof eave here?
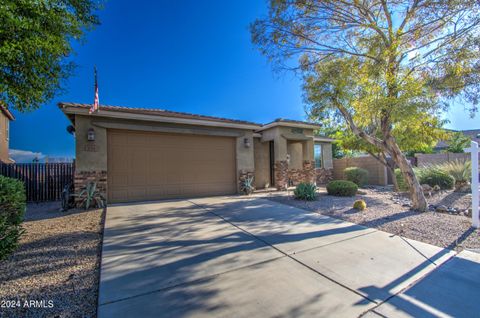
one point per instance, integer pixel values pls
(7, 112)
(289, 124)
(324, 139)
(72, 110)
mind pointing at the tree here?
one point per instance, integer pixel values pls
(414, 136)
(376, 63)
(457, 142)
(35, 40)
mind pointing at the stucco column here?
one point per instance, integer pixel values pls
(91, 156)
(245, 157)
(309, 175)
(308, 150)
(281, 164)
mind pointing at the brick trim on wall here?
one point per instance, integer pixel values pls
(323, 175)
(82, 178)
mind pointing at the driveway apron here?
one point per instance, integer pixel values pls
(250, 257)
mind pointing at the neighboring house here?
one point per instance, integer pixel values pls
(139, 154)
(5, 117)
(473, 134)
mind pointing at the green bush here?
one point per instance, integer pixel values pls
(12, 210)
(305, 191)
(434, 176)
(342, 188)
(357, 175)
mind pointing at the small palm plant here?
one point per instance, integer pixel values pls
(91, 197)
(246, 185)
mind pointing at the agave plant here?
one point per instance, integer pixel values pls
(91, 197)
(246, 185)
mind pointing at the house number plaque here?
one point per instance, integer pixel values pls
(90, 147)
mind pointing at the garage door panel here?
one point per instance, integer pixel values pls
(119, 152)
(148, 166)
(136, 139)
(118, 181)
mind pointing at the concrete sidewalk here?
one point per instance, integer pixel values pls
(251, 257)
(450, 291)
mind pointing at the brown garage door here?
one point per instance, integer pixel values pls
(150, 166)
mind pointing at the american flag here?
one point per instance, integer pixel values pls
(96, 102)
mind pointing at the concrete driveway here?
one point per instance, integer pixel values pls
(251, 257)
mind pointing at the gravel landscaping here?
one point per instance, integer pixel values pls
(390, 212)
(56, 264)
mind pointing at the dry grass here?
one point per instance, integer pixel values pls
(58, 260)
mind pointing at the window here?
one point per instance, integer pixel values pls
(317, 152)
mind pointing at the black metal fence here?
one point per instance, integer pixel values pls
(43, 181)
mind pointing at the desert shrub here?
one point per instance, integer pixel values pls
(459, 170)
(402, 185)
(305, 191)
(12, 211)
(357, 175)
(434, 176)
(360, 205)
(342, 188)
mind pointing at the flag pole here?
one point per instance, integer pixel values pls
(96, 102)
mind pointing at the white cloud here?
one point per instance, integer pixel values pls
(25, 156)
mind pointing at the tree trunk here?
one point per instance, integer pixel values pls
(389, 145)
(382, 158)
(416, 193)
(391, 171)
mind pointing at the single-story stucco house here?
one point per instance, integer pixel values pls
(139, 154)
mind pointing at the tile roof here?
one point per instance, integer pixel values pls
(7, 113)
(156, 111)
(283, 120)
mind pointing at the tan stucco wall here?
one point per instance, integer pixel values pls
(92, 156)
(262, 163)
(245, 155)
(3, 138)
(281, 144)
(295, 150)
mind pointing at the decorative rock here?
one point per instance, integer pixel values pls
(468, 212)
(441, 209)
(427, 189)
(452, 210)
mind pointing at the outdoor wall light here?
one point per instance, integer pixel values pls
(91, 134)
(288, 158)
(246, 142)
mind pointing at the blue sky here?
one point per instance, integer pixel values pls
(189, 56)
